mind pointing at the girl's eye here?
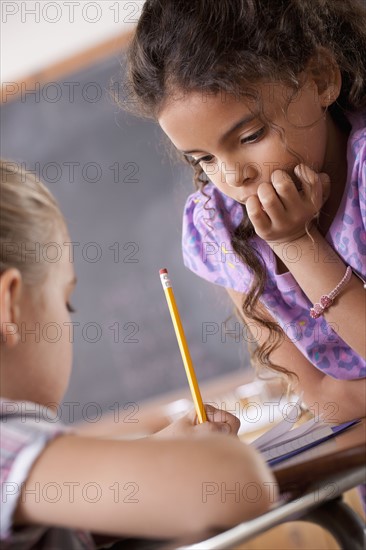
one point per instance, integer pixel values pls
(209, 158)
(253, 137)
(206, 160)
(69, 307)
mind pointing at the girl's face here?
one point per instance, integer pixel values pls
(39, 366)
(236, 150)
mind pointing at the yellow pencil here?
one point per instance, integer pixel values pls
(183, 346)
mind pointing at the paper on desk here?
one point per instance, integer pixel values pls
(280, 429)
(304, 443)
(299, 439)
(308, 427)
(296, 443)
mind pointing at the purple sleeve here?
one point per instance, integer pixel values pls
(207, 250)
(359, 147)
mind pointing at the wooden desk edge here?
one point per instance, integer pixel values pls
(299, 476)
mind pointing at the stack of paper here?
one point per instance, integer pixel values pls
(284, 441)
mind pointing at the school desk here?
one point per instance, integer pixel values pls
(311, 486)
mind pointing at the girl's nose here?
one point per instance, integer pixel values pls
(238, 174)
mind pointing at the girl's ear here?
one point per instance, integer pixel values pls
(324, 71)
(10, 293)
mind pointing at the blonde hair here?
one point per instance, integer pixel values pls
(30, 217)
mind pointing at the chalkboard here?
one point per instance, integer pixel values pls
(123, 197)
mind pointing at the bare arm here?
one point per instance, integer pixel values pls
(148, 487)
(337, 400)
(318, 270)
(280, 214)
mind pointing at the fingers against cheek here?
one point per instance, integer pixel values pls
(285, 188)
(256, 213)
(319, 190)
(270, 200)
(313, 184)
(254, 207)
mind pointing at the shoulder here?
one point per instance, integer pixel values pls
(26, 428)
(30, 414)
(211, 212)
(357, 138)
(356, 158)
(25, 425)
(209, 221)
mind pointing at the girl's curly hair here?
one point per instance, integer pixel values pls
(229, 46)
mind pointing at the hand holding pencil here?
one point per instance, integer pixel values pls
(218, 422)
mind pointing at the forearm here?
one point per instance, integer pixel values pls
(127, 422)
(333, 400)
(146, 487)
(318, 270)
(347, 399)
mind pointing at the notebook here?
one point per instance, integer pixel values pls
(284, 441)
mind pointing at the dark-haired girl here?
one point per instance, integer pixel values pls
(266, 100)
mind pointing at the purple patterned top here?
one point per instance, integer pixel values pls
(207, 251)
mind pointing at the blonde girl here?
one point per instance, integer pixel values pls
(60, 488)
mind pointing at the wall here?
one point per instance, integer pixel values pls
(123, 199)
(35, 35)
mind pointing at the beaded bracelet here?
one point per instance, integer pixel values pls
(327, 299)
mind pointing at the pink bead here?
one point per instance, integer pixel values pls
(316, 311)
(325, 301)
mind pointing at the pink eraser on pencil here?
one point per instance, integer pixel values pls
(162, 271)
